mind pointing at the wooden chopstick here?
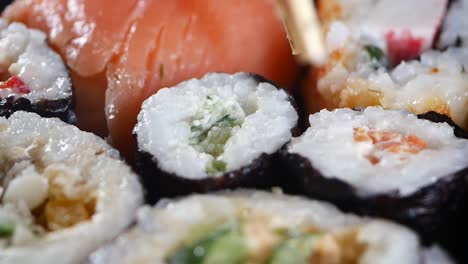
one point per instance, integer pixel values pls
(304, 31)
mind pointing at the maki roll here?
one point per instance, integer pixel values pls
(63, 192)
(220, 131)
(259, 227)
(397, 54)
(33, 77)
(384, 163)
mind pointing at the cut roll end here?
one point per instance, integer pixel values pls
(64, 192)
(218, 131)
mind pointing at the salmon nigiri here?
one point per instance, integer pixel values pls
(122, 52)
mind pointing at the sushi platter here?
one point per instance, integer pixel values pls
(234, 132)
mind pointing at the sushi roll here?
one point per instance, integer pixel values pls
(220, 131)
(385, 163)
(63, 192)
(33, 77)
(396, 54)
(258, 227)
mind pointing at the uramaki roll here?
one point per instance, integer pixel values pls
(388, 53)
(259, 227)
(63, 192)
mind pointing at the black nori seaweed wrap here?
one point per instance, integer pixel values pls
(261, 173)
(4, 4)
(454, 235)
(439, 118)
(159, 183)
(53, 68)
(430, 210)
(61, 108)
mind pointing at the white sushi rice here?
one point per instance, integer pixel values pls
(161, 229)
(265, 113)
(330, 146)
(436, 255)
(37, 153)
(25, 53)
(437, 81)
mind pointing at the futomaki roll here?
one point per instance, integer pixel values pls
(63, 192)
(220, 131)
(384, 163)
(397, 54)
(33, 77)
(261, 228)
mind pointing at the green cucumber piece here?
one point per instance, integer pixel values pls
(375, 53)
(224, 245)
(209, 134)
(7, 230)
(229, 249)
(216, 166)
(294, 250)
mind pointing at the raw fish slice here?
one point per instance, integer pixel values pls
(82, 30)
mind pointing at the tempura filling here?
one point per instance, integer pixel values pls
(250, 241)
(212, 126)
(36, 198)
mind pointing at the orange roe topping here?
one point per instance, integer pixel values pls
(388, 141)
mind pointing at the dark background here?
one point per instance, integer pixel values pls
(4, 3)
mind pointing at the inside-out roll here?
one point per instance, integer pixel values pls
(220, 131)
(259, 227)
(63, 192)
(398, 54)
